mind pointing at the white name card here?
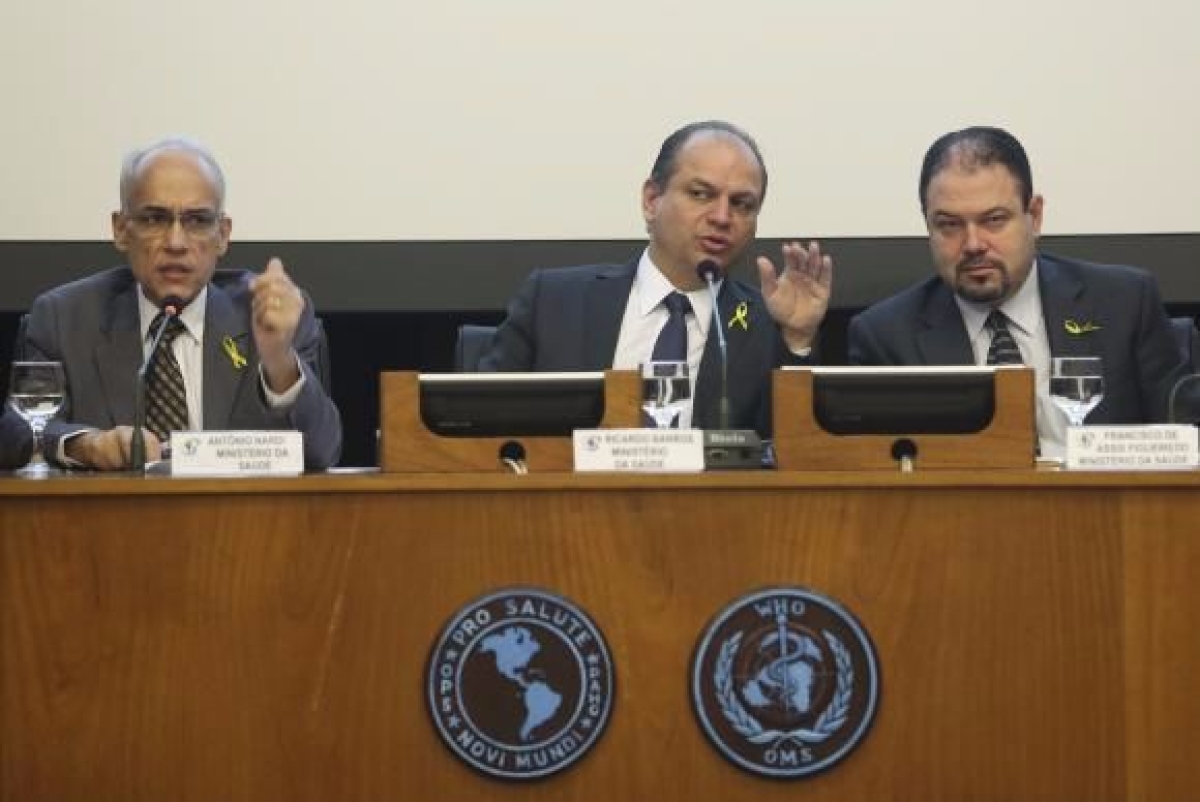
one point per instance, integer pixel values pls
(1132, 448)
(212, 453)
(639, 450)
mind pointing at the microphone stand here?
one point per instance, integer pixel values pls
(1173, 396)
(724, 447)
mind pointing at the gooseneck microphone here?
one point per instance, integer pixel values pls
(171, 306)
(709, 271)
(1173, 396)
(725, 447)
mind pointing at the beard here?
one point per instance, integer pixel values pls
(990, 291)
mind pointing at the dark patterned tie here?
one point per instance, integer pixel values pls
(1003, 350)
(672, 344)
(166, 396)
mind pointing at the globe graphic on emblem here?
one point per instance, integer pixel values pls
(787, 679)
(521, 685)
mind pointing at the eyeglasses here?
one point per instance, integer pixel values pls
(157, 222)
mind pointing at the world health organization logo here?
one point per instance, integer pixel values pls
(520, 684)
(785, 682)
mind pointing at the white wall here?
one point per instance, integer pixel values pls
(480, 119)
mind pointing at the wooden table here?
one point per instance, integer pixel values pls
(170, 639)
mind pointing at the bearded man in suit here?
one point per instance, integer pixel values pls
(984, 220)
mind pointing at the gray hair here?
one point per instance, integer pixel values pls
(136, 158)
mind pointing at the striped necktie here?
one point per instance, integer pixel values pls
(1003, 350)
(166, 396)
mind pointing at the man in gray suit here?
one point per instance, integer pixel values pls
(248, 352)
(16, 439)
(983, 219)
(700, 203)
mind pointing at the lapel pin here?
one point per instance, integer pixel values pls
(1075, 328)
(741, 316)
(231, 350)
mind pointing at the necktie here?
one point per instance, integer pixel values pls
(166, 397)
(1003, 350)
(672, 344)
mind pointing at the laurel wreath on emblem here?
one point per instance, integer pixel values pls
(830, 720)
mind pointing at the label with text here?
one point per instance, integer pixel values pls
(254, 453)
(1158, 447)
(639, 450)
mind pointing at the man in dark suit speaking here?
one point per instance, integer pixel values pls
(244, 357)
(700, 204)
(996, 298)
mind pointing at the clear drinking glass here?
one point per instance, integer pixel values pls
(35, 391)
(1076, 385)
(666, 390)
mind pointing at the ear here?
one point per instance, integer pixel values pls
(120, 229)
(651, 193)
(226, 228)
(1036, 208)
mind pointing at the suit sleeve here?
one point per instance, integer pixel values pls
(314, 413)
(42, 345)
(16, 439)
(514, 348)
(1156, 356)
(862, 344)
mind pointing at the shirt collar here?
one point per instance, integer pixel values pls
(192, 316)
(650, 287)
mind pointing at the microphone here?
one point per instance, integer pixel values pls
(1173, 396)
(172, 305)
(708, 270)
(725, 447)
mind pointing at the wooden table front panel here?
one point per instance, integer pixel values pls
(1035, 643)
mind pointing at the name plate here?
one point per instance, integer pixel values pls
(1132, 448)
(242, 453)
(639, 450)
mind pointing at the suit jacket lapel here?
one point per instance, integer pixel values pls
(223, 380)
(605, 303)
(118, 355)
(1063, 300)
(943, 341)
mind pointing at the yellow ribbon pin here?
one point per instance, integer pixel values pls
(1075, 328)
(741, 316)
(231, 350)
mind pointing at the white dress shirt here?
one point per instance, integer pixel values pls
(645, 315)
(1028, 327)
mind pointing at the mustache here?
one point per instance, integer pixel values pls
(973, 262)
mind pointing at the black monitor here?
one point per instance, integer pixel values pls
(904, 400)
(511, 404)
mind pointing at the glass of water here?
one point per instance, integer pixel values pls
(35, 391)
(666, 391)
(1076, 385)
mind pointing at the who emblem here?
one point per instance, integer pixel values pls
(785, 682)
(520, 684)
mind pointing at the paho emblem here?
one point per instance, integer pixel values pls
(520, 684)
(785, 682)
